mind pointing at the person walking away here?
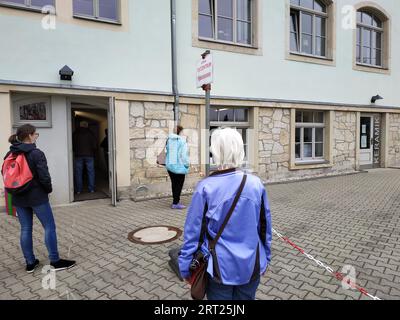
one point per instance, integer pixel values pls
(85, 147)
(239, 255)
(33, 198)
(177, 164)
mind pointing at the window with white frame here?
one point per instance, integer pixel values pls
(235, 118)
(102, 10)
(28, 4)
(369, 45)
(310, 135)
(309, 27)
(228, 21)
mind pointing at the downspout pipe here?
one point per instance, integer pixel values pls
(175, 90)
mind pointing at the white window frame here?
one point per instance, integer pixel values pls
(27, 6)
(313, 126)
(96, 12)
(302, 10)
(370, 28)
(17, 103)
(234, 125)
(214, 16)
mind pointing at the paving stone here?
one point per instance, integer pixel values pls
(348, 220)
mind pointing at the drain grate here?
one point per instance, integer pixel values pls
(154, 235)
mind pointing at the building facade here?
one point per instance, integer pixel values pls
(301, 80)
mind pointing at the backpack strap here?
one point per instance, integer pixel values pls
(213, 242)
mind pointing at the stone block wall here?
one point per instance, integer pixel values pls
(274, 146)
(344, 142)
(150, 123)
(274, 143)
(394, 141)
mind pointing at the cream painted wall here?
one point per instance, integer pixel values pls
(123, 143)
(272, 76)
(5, 132)
(53, 142)
(137, 55)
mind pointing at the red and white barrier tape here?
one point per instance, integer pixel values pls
(337, 275)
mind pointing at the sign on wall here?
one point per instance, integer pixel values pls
(377, 141)
(204, 72)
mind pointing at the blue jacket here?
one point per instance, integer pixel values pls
(177, 157)
(244, 250)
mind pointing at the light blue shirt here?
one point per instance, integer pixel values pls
(248, 231)
(177, 156)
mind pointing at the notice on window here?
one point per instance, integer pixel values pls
(364, 143)
(364, 128)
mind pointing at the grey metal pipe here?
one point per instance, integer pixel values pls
(175, 90)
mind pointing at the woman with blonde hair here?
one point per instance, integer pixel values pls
(242, 252)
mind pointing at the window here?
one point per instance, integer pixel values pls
(369, 40)
(228, 21)
(102, 10)
(28, 4)
(236, 118)
(310, 135)
(309, 27)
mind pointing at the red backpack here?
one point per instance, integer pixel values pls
(16, 173)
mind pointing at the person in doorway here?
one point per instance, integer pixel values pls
(85, 147)
(104, 146)
(242, 252)
(177, 164)
(34, 200)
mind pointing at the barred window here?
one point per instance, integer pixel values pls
(310, 135)
(369, 45)
(226, 20)
(308, 27)
(28, 4)
(103, 10)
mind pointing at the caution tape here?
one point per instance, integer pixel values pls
(337, 275)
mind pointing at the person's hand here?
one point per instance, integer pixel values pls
(201, 174)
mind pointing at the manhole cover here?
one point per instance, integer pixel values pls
(155, 235)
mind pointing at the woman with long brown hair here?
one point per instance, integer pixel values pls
(34, 199)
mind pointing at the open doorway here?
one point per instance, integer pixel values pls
(90, 152)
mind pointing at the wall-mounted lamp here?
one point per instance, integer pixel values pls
(66, 73)
(375, 98)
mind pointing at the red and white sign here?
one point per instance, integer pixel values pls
(204, 72)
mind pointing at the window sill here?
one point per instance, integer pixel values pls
(117, 23)
(295, 56)
(225, 46)
(304, 165)
(372, 69)
(24, 8)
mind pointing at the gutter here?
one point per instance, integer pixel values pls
(174, 66)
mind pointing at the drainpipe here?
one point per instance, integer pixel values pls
(174, 63)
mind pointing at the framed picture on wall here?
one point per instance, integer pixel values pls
(35, 111)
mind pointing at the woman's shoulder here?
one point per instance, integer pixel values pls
(255, 180)
(37, 154)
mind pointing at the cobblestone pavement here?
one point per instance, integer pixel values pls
(348, 220)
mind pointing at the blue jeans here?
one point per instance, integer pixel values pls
(80, 163)
(216, 291)
(45, 216)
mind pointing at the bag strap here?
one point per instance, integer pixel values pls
(213, 242)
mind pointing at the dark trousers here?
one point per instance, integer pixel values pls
(217, 291)
(80, 164)
(177, 181)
